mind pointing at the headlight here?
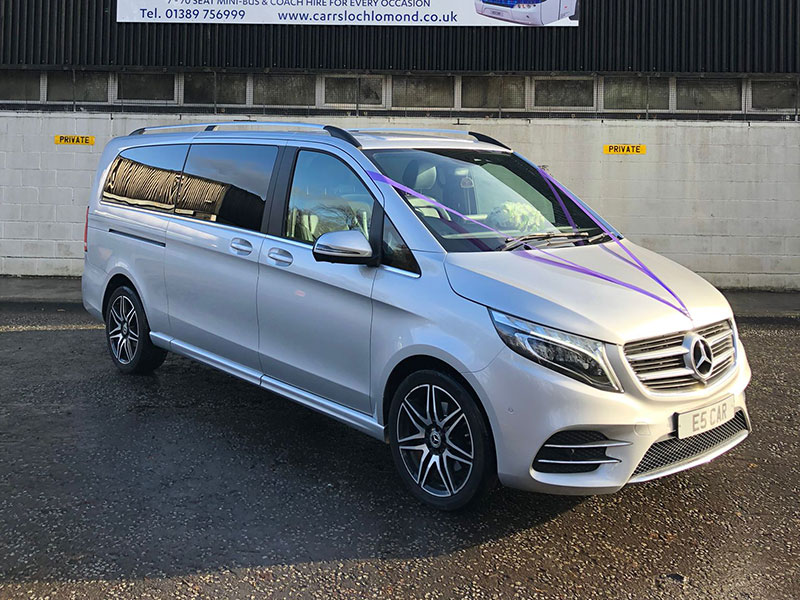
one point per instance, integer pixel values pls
(571, 355)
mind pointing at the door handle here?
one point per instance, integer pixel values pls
(241, 246)
(280, 256)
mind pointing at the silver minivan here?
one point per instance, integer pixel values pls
(431, 288)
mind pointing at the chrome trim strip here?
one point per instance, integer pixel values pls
(216, 361)
(720, 337)
(603, 461)
(692, 462)
(400, 271)
(289, 241)
(722, 358)
(231, 228)
(348, 416)
(655, 354)
(656, 375)
(597, 444)
(362, 422)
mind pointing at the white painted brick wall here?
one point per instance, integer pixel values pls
(721, 198)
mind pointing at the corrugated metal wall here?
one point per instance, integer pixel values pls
(668, 36)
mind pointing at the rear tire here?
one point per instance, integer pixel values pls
(441, 442)
(128, 334)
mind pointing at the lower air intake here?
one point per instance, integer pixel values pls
(575, 452)
(674, 450)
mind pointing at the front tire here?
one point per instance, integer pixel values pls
(128, 334)
(440, 441)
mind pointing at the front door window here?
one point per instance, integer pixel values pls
(326, 195)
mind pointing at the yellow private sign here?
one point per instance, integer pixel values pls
(624, 149)
(80, 140)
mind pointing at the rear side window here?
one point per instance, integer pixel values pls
(227, 183)
(146, 177)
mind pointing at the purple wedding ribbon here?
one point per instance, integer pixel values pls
(639, 263)
(560, 201)
(552, 259)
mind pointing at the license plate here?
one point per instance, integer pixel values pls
(700, 420)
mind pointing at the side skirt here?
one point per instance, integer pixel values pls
(348, 416)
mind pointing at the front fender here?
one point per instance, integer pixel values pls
(423, 317)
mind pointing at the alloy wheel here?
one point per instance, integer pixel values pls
(435, 440)
(123, 329)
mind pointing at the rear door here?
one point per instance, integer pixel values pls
(137, 201)
(315, 317)
(213, 245)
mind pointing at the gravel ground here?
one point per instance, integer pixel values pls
(192, 484)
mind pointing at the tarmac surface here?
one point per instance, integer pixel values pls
(192, 484)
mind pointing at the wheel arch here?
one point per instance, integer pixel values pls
(421, 362)
(115, 282)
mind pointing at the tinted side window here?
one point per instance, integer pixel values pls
(227, 183)
(326, 195)
(395, 252)
(146, 177)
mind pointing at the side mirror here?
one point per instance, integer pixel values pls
(347, 247)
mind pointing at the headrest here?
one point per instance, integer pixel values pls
(420, 175)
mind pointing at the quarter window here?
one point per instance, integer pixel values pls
(326, 195)
(145, 177)
(227, 183)
(395, 252)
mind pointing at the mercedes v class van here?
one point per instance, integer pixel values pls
(433, 289)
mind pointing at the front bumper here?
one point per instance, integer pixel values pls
(527, 404)
(93, 282)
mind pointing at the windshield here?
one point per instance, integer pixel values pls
(493, 198)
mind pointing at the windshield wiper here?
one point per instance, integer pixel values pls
(514, 243)
(601, 237)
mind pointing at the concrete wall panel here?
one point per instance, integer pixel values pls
(722, 198)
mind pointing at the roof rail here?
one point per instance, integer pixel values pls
(342, 134)
(330, 129)
(482, 137)
(213, 126)
(409, 129)
(478, 136)
(143, 130)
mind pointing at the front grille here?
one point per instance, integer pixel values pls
(659, 362)
(674, 450)
(575, 452)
